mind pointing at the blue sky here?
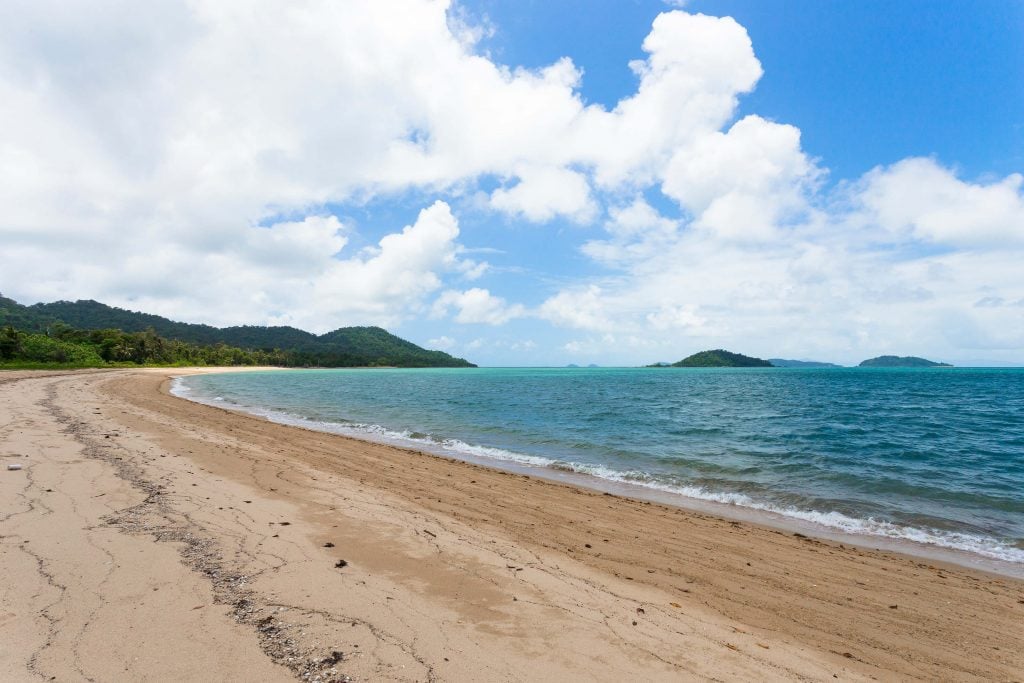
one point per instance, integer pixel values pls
(530, 183)
(868, 82)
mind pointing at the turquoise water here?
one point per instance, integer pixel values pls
(928, 455)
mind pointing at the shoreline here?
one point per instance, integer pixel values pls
(282, 552)
(793, 521)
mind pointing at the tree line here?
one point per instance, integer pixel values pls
(65, 346)
(89, 333)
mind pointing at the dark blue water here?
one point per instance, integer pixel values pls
(930, 455)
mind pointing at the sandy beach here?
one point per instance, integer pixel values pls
(150, 538)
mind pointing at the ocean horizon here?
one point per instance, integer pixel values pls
(932, 457)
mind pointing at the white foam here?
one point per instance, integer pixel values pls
(180, 388)
(985, 547)
(952, 540)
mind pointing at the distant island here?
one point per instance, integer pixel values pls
(785, 363)
(902, 362)
(720, 358)
(92, 334)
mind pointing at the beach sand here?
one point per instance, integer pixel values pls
(150, 538)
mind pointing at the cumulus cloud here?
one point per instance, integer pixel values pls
(477, 306)
(919, 199)
(195, 105)
(295, 273)
(180, 128)
(635, 232)
(544, 193)
(843, 284)
(295, 247)
(745, 182)
(181, 157)
(582, 307)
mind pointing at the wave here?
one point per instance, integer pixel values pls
(869, 526)
(951, 540)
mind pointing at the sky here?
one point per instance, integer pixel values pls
(529, 183)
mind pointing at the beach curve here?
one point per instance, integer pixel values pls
(451, 571)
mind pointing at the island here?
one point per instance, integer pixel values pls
(901, 362)
(786, 363)
(720, 358)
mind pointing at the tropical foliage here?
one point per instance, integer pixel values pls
(88, 333)
(66, 346)
(720, 358)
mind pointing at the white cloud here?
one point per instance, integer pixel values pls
(467, 29)
(917, 198)
(827, 290)
(544, 193)
(294, 273)
(696, 67)
(477, 306)
(444, 343)
(294, 247)
(670, 317)
(636, 232)
(157, 138)
(147, 151)
(584, 308)
(400, 271)
(188, 116)
(639, 219)
(742, 183)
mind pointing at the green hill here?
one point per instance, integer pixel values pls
(13, 314)
(902, 362)
(344, 347)
(93, 315)
(720, 358)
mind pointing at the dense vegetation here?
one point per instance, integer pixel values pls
(86, 333)
(66, 346)
(901, 362)
(720, 358)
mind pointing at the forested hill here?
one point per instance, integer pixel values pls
(720, 358)
(92, 315)
(902, 362)
(344, 347)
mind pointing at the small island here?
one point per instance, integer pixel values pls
(786, 363)
(902, 362)
(720, 358)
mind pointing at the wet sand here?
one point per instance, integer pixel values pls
(150, 538)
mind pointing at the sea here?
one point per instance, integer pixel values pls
(928, 459)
